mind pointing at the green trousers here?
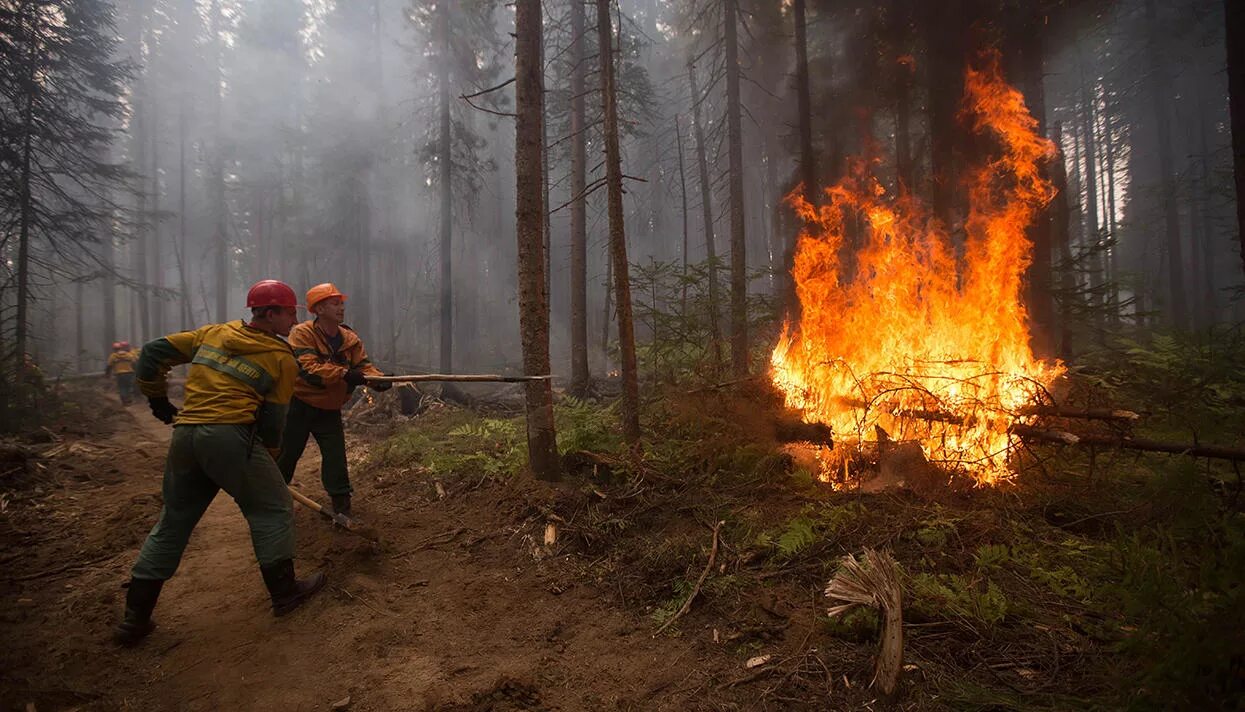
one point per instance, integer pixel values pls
(326, 425)
(204, 459)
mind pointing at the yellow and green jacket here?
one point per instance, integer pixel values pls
(238, 375)
(120, 362)
(322, 370)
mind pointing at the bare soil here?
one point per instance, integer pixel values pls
(461, 608)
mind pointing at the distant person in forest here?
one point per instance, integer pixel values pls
(121, 367)
(331, 364)
(238, 388)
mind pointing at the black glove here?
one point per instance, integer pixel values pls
(355, 377)
(164, 411)
(380, 387)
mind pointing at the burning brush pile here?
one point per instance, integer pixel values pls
(914, 336)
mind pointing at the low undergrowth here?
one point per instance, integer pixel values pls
(1109, 582)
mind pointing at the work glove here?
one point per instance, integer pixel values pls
(164, 411)
(380, 387)
(355, 377)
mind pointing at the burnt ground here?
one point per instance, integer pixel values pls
(1101, 583)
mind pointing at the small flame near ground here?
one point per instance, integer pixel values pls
(910, 333)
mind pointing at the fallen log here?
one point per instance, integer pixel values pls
(1218, 452)
(1058, 411)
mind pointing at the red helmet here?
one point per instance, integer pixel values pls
(116, 345)
(124, 344)
(271, 293)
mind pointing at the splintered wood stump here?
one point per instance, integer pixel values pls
(873, 581)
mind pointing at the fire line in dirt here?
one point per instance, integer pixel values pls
(909, 322)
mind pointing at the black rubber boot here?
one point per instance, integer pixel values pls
(287, 591)
(140, 600)
(341, 504)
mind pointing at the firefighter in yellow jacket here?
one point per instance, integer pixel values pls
(121, 367)
(238, 388)
(331, 364)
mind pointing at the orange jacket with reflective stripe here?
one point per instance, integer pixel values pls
(321, 370)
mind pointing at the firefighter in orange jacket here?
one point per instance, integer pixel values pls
(331, 364)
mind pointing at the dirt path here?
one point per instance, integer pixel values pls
(453, 613)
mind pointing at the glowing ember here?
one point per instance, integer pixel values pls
(910, 336)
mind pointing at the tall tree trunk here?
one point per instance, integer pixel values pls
(529, 215)
(1093, 237)
(1160, 94)
(1234, 14)
(138, 245)
(706, 204)
(445, 161)
(1040, 299)
(221, 234)
(808, 159)
(20, 332)
(187, 313)
(1061, 236)
(678, 135)
(580, 376)
(1203, 198)
(157, 256)
(734, 137)
(1113, 254)
(618, 236)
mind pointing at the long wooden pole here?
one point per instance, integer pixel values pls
(460, 378)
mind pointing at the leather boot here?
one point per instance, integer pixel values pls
(287, 591)
(140, 600)
(341, 504)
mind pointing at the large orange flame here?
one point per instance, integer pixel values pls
(909, 334)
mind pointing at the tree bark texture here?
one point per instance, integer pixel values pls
(739, 261)
(618, 237)
(529, 216)
(580, 376)
(221, 235)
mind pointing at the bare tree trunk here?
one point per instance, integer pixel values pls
(1093, 238)
(1061, 217)
(20, 333)
(739, 262)
(445, 160)
(618, 237)
(808, 159)
(706, 204)
(1234, 14)
(529, 215)
(187, 313)
(1207, 277)
(580, 375)
(157, 256)
(218, 173)
(1160, 94)
(1113, 260)
(138, 245)
(1040, 299)
(678, 135)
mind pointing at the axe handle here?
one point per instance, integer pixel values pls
(461, 378)
(340, 519)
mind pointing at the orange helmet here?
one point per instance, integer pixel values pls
(320, 292)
